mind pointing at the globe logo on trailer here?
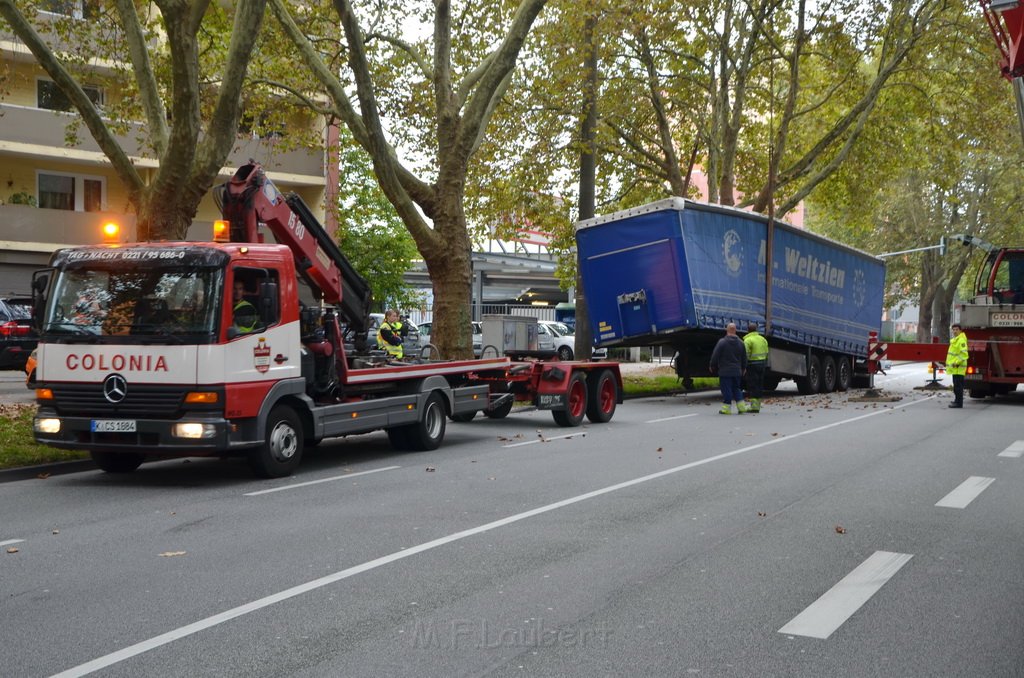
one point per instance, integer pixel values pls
(732, 251)
(860, 289)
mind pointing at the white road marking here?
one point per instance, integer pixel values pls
(322, 480)
(681, 416)
(835, 606)
(273, 599)
(1015, 451)
(11, 541)
(965, 493)
(545, 439)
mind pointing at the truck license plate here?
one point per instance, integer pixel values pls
(113, 426)
(547, 401)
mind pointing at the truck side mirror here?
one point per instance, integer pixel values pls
(270, 305)
(40, 283)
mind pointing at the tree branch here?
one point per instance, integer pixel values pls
(149, 91)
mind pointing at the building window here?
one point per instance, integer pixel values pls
(71, 192)
(78, 9)
(49, 96)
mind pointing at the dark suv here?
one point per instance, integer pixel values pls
(17, 338)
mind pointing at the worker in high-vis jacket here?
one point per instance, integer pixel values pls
(956, 364)
(757, 363)
(388, 337)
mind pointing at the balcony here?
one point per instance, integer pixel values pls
(33, 226)
(38, 133)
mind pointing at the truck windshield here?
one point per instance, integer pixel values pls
(162, 304)
(1007, 282)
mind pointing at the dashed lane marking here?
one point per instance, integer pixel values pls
(839, 603)
(681, 416)
(322, 480)
(965, 493)
(1015, 451)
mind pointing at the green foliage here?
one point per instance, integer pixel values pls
(370, 233)
(942, 157)
(22, 198)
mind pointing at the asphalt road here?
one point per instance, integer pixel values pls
(13, 389)
(822, 537)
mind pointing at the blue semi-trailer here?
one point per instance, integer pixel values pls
(676, 272)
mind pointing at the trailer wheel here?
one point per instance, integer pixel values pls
(501, 411)
(828, 374)
(463, 417)
(810, 384)
(117, 462)
(844, 373)
(428, 432)
(575, 402)
(602, 397)
(281, 450)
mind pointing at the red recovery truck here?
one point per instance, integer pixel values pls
(139, 355)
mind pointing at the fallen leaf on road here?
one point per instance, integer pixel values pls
(658, 450)
(171, 554)
(12, 550)
(840, 529)
(56, 532)
(431, 469)
(762, 514)
(43, 476)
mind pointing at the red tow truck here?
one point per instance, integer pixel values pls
(139, 358)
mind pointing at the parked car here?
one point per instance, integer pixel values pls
(546, 339)
(565, 340)
(478, 336)
(17, 338)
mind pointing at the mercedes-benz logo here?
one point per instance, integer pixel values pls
(115, 388)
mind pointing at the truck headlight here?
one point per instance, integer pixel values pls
(194, 429)
(47, 425)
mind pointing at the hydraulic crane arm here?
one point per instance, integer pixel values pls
(250, 198)
(1006, 22)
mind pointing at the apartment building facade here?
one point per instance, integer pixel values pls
(54, 193)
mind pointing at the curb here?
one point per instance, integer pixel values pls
(58, 468)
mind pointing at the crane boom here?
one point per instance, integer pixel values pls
(251, 198)
(1006, 22)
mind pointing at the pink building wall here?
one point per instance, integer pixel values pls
(700, 180)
